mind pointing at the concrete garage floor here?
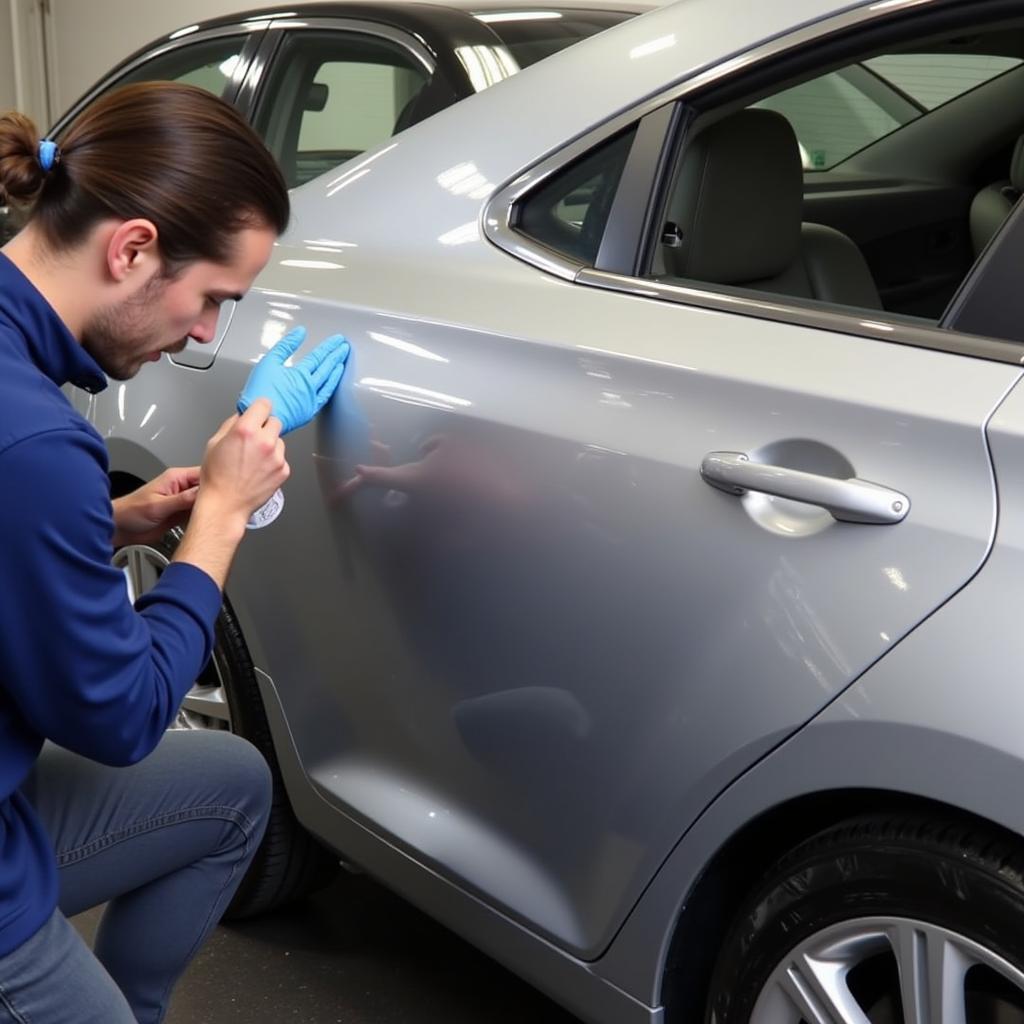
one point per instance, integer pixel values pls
(354, 953)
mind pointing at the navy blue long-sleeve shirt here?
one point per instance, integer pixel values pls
(78, 664)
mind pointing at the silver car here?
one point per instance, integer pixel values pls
(646, 604)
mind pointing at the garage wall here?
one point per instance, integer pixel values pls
(8, 91)
(22, 66)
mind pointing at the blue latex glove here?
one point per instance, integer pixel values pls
(296, 393)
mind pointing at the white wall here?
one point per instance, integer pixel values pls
(8, 90)
(22, 73)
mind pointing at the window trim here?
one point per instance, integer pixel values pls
(419, 52)
(252, 35)
(500, 213)
(763, 307)
(280, 31)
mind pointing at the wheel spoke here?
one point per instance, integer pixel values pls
(133, 570)
(932, 973)
(141, 575)
(818, 990)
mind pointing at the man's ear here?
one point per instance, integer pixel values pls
(132, 251)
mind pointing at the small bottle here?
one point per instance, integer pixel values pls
(267, 512)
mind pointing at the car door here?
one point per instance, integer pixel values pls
(540, 629)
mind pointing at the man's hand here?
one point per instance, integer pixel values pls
(296, 393)
(245, 463)
(145, 515)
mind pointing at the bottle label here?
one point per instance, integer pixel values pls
(267, 513)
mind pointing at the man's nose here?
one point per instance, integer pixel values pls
(205, 328)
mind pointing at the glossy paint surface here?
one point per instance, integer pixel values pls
(526, 645)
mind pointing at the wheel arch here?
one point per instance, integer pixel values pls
(742, 859)
(129, 461)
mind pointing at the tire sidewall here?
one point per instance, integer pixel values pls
(844, 881)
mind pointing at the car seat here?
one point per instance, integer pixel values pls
(735, 218)
(992, 205)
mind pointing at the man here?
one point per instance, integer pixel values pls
(159, 204)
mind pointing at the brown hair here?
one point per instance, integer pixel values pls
(173, 154)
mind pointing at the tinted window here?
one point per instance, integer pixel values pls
(569, 213)
(842, 112)
(933, 79)
(331, 96)
(209, 64)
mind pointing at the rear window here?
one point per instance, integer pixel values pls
(844, 111)
(932, 80)
(531, 36)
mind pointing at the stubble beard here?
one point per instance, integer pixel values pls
(121, 338)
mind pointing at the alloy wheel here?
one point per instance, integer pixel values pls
(205, 706)
(891, 970)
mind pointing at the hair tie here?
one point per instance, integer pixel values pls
(49, 154)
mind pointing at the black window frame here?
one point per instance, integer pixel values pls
(256, 87)
(251, 33)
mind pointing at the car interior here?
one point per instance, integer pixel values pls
(870, 179)
(894, 225)
(719, 229)
(333, 99)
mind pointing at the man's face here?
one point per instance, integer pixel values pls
(162, 315)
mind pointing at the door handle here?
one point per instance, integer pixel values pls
(200, 355)
(849, 501)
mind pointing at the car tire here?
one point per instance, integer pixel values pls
(848, 913)
(290, 863)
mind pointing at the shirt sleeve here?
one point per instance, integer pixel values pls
(85, 668)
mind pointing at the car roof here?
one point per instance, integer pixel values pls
(439, 25)
(414, 10)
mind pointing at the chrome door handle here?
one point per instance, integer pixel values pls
(200, 355)
(849, 501)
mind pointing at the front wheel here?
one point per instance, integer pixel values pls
(290, 863)
(895, 921)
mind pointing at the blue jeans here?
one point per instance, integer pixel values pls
(164, 843)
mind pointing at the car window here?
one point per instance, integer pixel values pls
(842, 112)
(933, 79)
(333, 95)
(839, 114)
(735, 215)
(569, 214)
(209, 64)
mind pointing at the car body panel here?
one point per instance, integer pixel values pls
(526, 667)
(566, 460)
(915, 713)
